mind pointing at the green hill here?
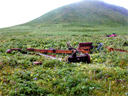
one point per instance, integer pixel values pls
(84, 13)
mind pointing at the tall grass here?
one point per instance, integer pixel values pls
(106, 74)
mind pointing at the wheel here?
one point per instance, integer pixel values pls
(9, 51)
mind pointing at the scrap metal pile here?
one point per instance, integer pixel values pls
(82, 48)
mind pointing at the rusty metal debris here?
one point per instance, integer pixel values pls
(83, 48)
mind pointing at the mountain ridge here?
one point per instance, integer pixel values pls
(88, 13)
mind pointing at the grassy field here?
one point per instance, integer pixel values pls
(106, 75)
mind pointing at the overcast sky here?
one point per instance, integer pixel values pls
(14, 12)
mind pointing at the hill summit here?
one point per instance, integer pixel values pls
(84, 13)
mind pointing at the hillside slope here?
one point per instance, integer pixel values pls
(84, 13)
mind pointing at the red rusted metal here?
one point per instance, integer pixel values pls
(83, 47)
(50, 51)
(112, 49)
(15, 49)
(113, 35)
(82, 58)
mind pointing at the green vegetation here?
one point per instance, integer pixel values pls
(106, 75)
(85, 13)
